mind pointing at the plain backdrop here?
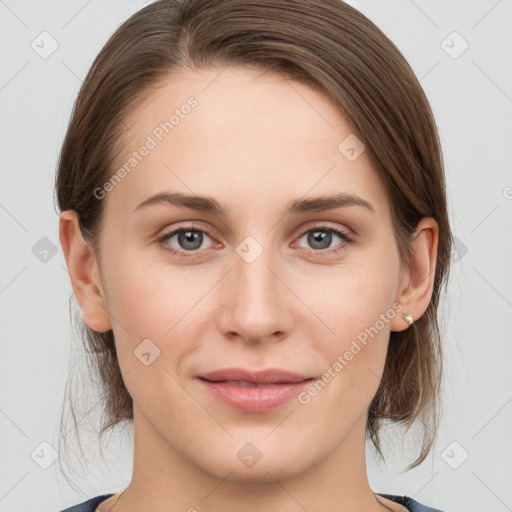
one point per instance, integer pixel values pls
(462, 53)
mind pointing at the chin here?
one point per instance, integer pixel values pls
(258, 462)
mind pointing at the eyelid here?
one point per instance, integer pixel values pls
(184, 226)
(325, 225)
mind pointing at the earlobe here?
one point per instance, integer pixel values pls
(415, 296)
(83, 272)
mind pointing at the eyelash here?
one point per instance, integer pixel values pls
(347, 239)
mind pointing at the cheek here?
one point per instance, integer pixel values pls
(354, 357)
(150, 297)
(351, 298)
(355, 307)
(168, 305)
(157, 320)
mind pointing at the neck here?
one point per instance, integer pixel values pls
(164, 479)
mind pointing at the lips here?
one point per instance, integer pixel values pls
(268, 376)
(254, 391)
(244, 384)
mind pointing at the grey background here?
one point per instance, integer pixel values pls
(471, 96)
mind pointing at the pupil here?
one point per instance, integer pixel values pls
(323, 237)
(186, 237)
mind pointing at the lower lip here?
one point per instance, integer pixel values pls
(255, 399)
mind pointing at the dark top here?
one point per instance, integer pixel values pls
(409, 503)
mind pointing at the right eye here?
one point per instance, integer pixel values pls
(188, 239)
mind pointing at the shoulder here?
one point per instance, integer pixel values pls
(409, 503)
(89, 505)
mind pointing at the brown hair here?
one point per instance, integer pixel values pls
(328, 45)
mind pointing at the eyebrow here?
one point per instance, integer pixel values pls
(210, 205)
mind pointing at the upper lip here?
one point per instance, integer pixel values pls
(267, 376)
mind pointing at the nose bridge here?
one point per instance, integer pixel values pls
(255, 303)
(255, 282)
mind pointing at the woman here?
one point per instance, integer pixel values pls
(255, 226)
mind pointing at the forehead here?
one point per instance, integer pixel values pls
(239, 132)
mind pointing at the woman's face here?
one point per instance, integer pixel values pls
(267, 283)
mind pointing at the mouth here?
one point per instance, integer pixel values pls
(267, 376)
(254, 391)
(245, 384)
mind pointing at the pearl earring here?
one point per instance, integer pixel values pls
(408, 318)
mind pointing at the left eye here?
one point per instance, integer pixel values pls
(321, 238)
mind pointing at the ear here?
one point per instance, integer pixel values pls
(417, 282)
(84, 273)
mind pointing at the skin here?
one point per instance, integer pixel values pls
(250, 134)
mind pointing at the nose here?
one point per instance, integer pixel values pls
(256, 303)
